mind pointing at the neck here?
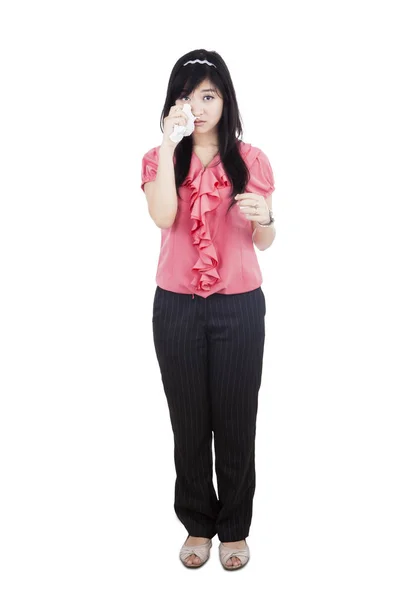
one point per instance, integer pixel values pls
(203, 145)
(205, 140)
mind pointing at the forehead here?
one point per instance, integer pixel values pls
(206, 83)
(205, 86)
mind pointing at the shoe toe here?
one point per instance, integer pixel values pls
(201, 554)
(243, 554)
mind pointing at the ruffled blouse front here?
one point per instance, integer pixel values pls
(205, 184)
(202, 192)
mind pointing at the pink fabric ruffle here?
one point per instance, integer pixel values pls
(205, 199)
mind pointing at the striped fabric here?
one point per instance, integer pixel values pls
(210, 353)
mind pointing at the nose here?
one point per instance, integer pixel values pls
(195, 111)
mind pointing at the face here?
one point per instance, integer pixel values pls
(205, 104)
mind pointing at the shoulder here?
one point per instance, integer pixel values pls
(261, 175)
(152, 154)
(251, 153)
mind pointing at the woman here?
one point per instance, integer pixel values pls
(210, 194)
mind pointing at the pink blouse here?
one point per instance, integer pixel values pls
(206, 251)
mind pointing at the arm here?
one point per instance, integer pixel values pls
(161, 193)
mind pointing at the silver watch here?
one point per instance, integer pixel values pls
(271, 220)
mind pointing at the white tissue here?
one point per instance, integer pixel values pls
(181, 130)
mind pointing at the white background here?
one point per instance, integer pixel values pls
(86, 449)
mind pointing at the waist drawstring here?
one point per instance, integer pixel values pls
(192, 296)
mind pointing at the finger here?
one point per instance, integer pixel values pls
(180, 115)
(248, 196)
(179, 107)
(179, 119)
(176, 111)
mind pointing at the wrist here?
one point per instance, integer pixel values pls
(267, 223)
(166, 147)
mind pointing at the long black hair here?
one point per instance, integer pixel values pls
(183, 80)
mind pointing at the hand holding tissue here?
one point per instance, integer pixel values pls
(183, 130)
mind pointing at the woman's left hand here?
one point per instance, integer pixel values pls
(247, 203)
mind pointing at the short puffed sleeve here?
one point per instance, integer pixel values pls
(261, 176)
(149, 166)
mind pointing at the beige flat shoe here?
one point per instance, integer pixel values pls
(202, 551)
(226, 553)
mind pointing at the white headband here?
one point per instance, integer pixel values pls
(199, 61)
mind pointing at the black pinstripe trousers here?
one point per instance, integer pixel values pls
(210, 353)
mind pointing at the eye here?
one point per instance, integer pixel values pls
(183, 97)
